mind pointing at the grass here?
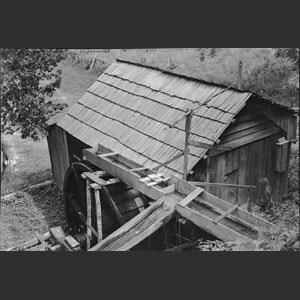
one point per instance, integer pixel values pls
(29, 212)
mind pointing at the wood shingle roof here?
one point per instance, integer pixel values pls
(130, 107)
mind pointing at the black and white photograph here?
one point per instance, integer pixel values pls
(149, 149)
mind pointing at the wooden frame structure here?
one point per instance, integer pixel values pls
(218, 217)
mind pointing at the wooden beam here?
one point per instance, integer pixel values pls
(168, 161)
(238, 214)
(98, 214)
(133, 232)
(59, 235)
(88, 213)
(92, 177)
(218, 230)
(186, 143)
(247, 139)
(42, 241)
(81, 215)
(169, 189)
(108, 154)
(198, 183)
(208, 146)
(72, 243)
(191, 196)
(240, 75)
(226, 213)
(221, 205)
(114, 207)
(121, 172)
(138, 169)
(127, 226)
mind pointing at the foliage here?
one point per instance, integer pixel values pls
(207, 245)
(28, 76)
(274, 239)
(293, 175)
(290, 53)
(264, 72)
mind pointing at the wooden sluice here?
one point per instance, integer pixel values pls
(171, 196)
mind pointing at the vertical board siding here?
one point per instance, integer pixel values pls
(58, 150)
(245, 165)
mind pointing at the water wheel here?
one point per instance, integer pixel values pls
(119, 203)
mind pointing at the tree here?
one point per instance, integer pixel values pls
(29, 78)
(293, 55)
(264, 71)
(290, 53)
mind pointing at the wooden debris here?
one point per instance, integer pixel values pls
(29, 244)
(58, 234)
(42, 241)
(72, 243)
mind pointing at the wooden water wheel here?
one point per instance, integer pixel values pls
(119, 202)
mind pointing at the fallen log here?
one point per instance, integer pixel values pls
(29, 244)
(31, 187)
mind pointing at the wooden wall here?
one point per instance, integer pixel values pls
(284, 118)
(75, 148)
(254, 157)
(58, 150)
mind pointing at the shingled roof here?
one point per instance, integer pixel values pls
(130, 107)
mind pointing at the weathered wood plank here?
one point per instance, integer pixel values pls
(239, 126)
(247, 139)
(208, 199)
(241, 214)
(42, 241)
(122, 173)
(94, 178)
(186, 142)
(114, 207)
(226, 213)
(72, 243)
(127, 226)
(220, 231)
(88, 213)
(197, 183)
(81, 215)
(58, 234)
(246, 132)
(169, 189)
(195, 193)
(208, 146)
(141, 226)
(280, 116)
(98, 214)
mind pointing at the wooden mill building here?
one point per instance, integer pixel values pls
(130, 107)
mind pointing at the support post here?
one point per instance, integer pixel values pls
(89, 214)
(188, 121)
(98, 213)
(240, 77)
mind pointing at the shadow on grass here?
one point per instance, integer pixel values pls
(15, 181)
(49, 201)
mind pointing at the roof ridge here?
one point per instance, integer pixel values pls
(229, 87)
(184, 76)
